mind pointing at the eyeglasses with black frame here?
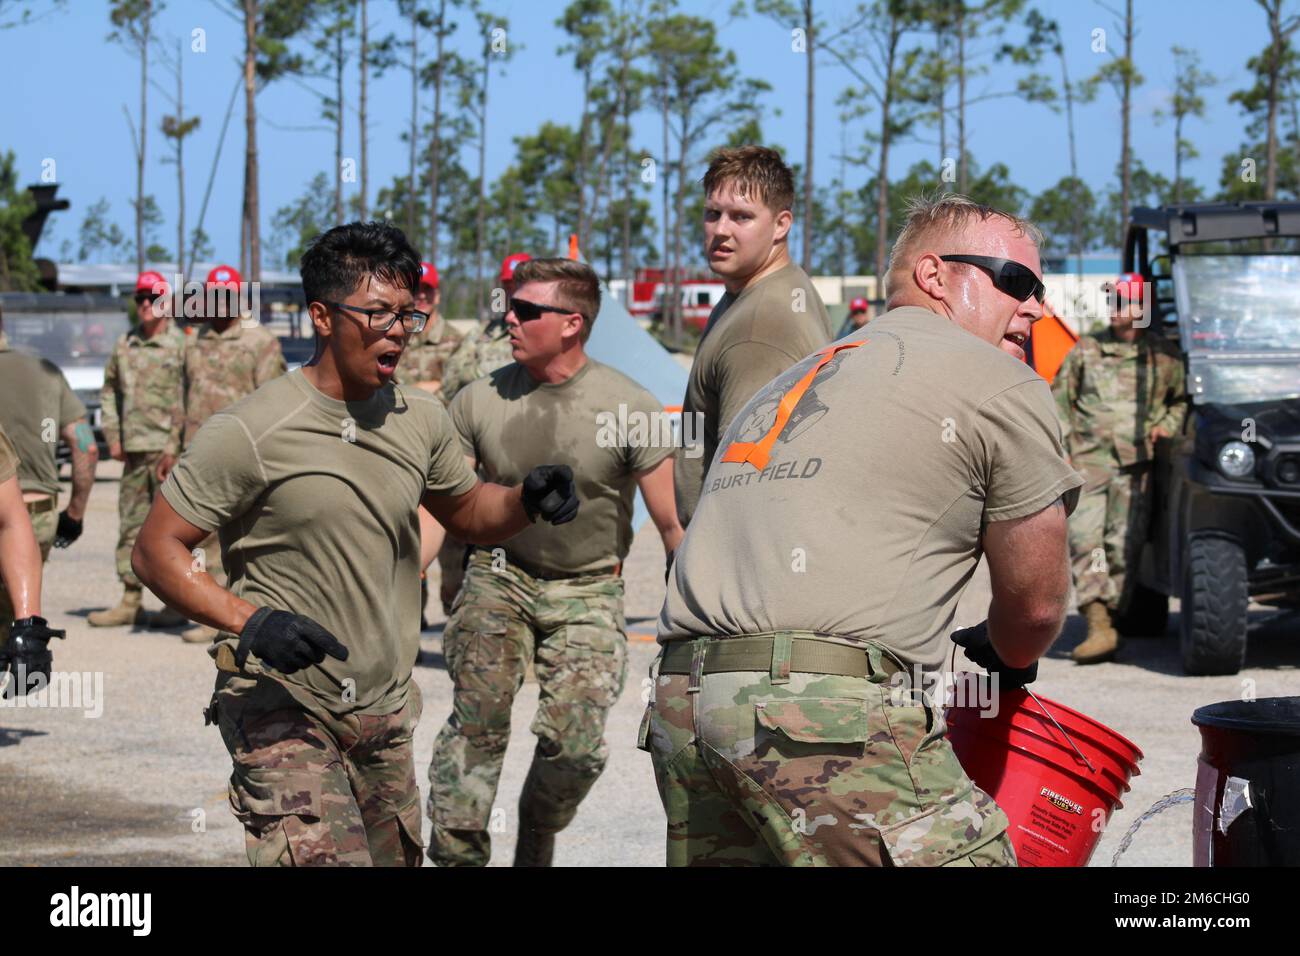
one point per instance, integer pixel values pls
(381, 320)
(1014, 278)
(526, 311)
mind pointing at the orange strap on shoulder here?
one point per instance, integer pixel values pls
(757, 453)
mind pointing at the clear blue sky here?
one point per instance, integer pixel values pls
(66, 85)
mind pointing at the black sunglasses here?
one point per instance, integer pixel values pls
(526, 311)
(142, 297)
(1014, 278)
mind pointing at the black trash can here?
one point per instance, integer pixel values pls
(1248, 783)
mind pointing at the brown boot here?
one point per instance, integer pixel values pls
(167, 618)
(199, 634)
(127, 612)
(1102, 641)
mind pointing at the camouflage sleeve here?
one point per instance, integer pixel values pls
(110, 419)
(177, 430)
(270, 362)
(1173, 396)
(1063, 391)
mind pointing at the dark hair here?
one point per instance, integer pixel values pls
(337, 261)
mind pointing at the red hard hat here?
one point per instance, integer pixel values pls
(1128, 287)
(428, 275)
(510, 263)
(224, 276)
(859, 305)
(153, 283)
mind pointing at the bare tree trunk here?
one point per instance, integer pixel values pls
(961, 98)
(584, 131)
(1178, 159)
(943, 96)
(180, 158)
(435, 142)
(415, 127)
(882, 186)
(251, 213)
(144, 128)
(625, 108)
(1126, 175)
(1074, 170)
(1274, 69)
(365, 142)
(678, 214)
(479, 231)
(338, 126)
(810, 66)
(669, 312)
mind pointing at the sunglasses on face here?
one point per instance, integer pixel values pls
(526, 311)
(1013, 278)
(144, 298)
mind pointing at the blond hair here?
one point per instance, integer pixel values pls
(934, 223)
(577, 286)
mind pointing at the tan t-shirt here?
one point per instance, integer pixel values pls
(859, 514)
(315, 501)
(36, 404)
(512, 423)
(749, 339)
(8, 458)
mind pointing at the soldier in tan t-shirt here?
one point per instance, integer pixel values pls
(550, 597)
(845, 511)
(312, 484)
(24, 634)
(770, 317)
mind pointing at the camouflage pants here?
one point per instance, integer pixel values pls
(819, 770)
(44, 526)
(1107, 531)
(312, 792)
(572, 632)
(135, 494)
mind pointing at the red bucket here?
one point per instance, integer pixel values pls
(1058, 780)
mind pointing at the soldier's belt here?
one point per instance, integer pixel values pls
(543, 575)
(807, 655)
(41, 505)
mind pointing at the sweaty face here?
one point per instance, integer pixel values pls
(739, 233)
(541, 339)
(365, 357)
(976, 304)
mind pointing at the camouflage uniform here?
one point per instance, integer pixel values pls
(572, 631)
(316, 790)
(478, 354)
(425, 355)
(800, 769)
(142, 403)
(220, 369)
(1109, 396)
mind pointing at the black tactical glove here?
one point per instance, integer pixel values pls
(549, 492)
(288, 642)
(974, 641)
(69, 530)
(28, 654)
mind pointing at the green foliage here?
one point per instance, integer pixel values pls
(294, 226)
(17, 268)
(100, 239)
(1055, 211)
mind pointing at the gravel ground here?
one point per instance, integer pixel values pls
(144, 782)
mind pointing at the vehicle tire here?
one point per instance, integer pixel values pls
(1215, 599)
(1147, 614)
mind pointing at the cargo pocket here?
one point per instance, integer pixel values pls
(956, 823)
(466, 633)
(597, 659)
(274, 806)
